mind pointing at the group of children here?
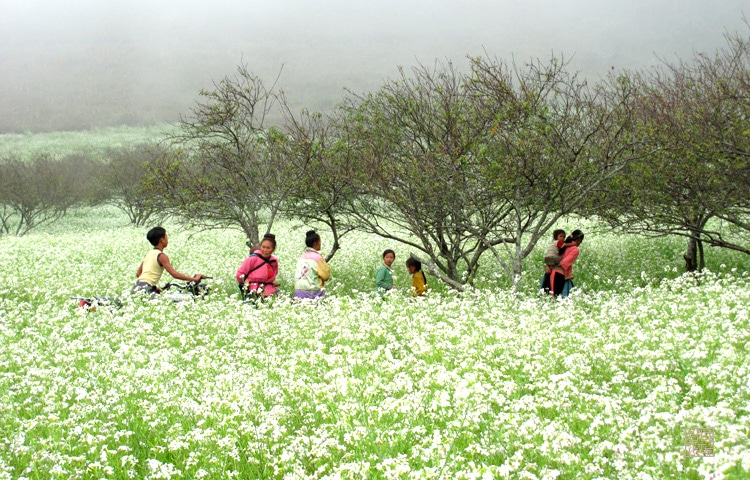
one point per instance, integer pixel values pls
(384, 275)
(256, 276)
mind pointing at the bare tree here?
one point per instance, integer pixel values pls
(40, 190)
(225, 167)
(124, 176)
(321, 172)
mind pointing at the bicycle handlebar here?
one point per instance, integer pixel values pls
(192, 287)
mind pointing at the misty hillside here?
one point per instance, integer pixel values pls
(79, 64)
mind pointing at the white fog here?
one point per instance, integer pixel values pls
(84, 63)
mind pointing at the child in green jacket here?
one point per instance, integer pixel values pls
(384, 275)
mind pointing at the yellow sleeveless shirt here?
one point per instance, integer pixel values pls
(151, 271)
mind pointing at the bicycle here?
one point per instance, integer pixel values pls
(188, 290)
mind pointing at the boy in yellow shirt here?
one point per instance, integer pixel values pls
(155, 262)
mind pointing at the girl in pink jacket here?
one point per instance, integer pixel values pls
(257, 274)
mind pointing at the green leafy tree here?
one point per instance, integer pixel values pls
(456, 165)
(415, 140)
(550, 140)
(694, 116)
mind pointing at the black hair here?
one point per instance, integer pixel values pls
(156, 234)
(387, 251)
(575, 235)
(311, 238)
(271, 238)
(413, 262)
(557, 232)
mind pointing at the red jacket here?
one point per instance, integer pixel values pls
(568, 258)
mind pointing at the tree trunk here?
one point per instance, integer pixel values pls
(516, 268)
(691, 255)
(252, 233)
(432, 270)
(336, 245)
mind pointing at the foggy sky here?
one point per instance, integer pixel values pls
(74, 64)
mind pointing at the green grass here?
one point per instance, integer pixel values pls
(93, 142)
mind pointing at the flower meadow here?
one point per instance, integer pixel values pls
(492, 382)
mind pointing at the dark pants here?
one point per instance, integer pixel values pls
(143, 287)
(557, 282)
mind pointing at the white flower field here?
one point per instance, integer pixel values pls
(643, 373)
